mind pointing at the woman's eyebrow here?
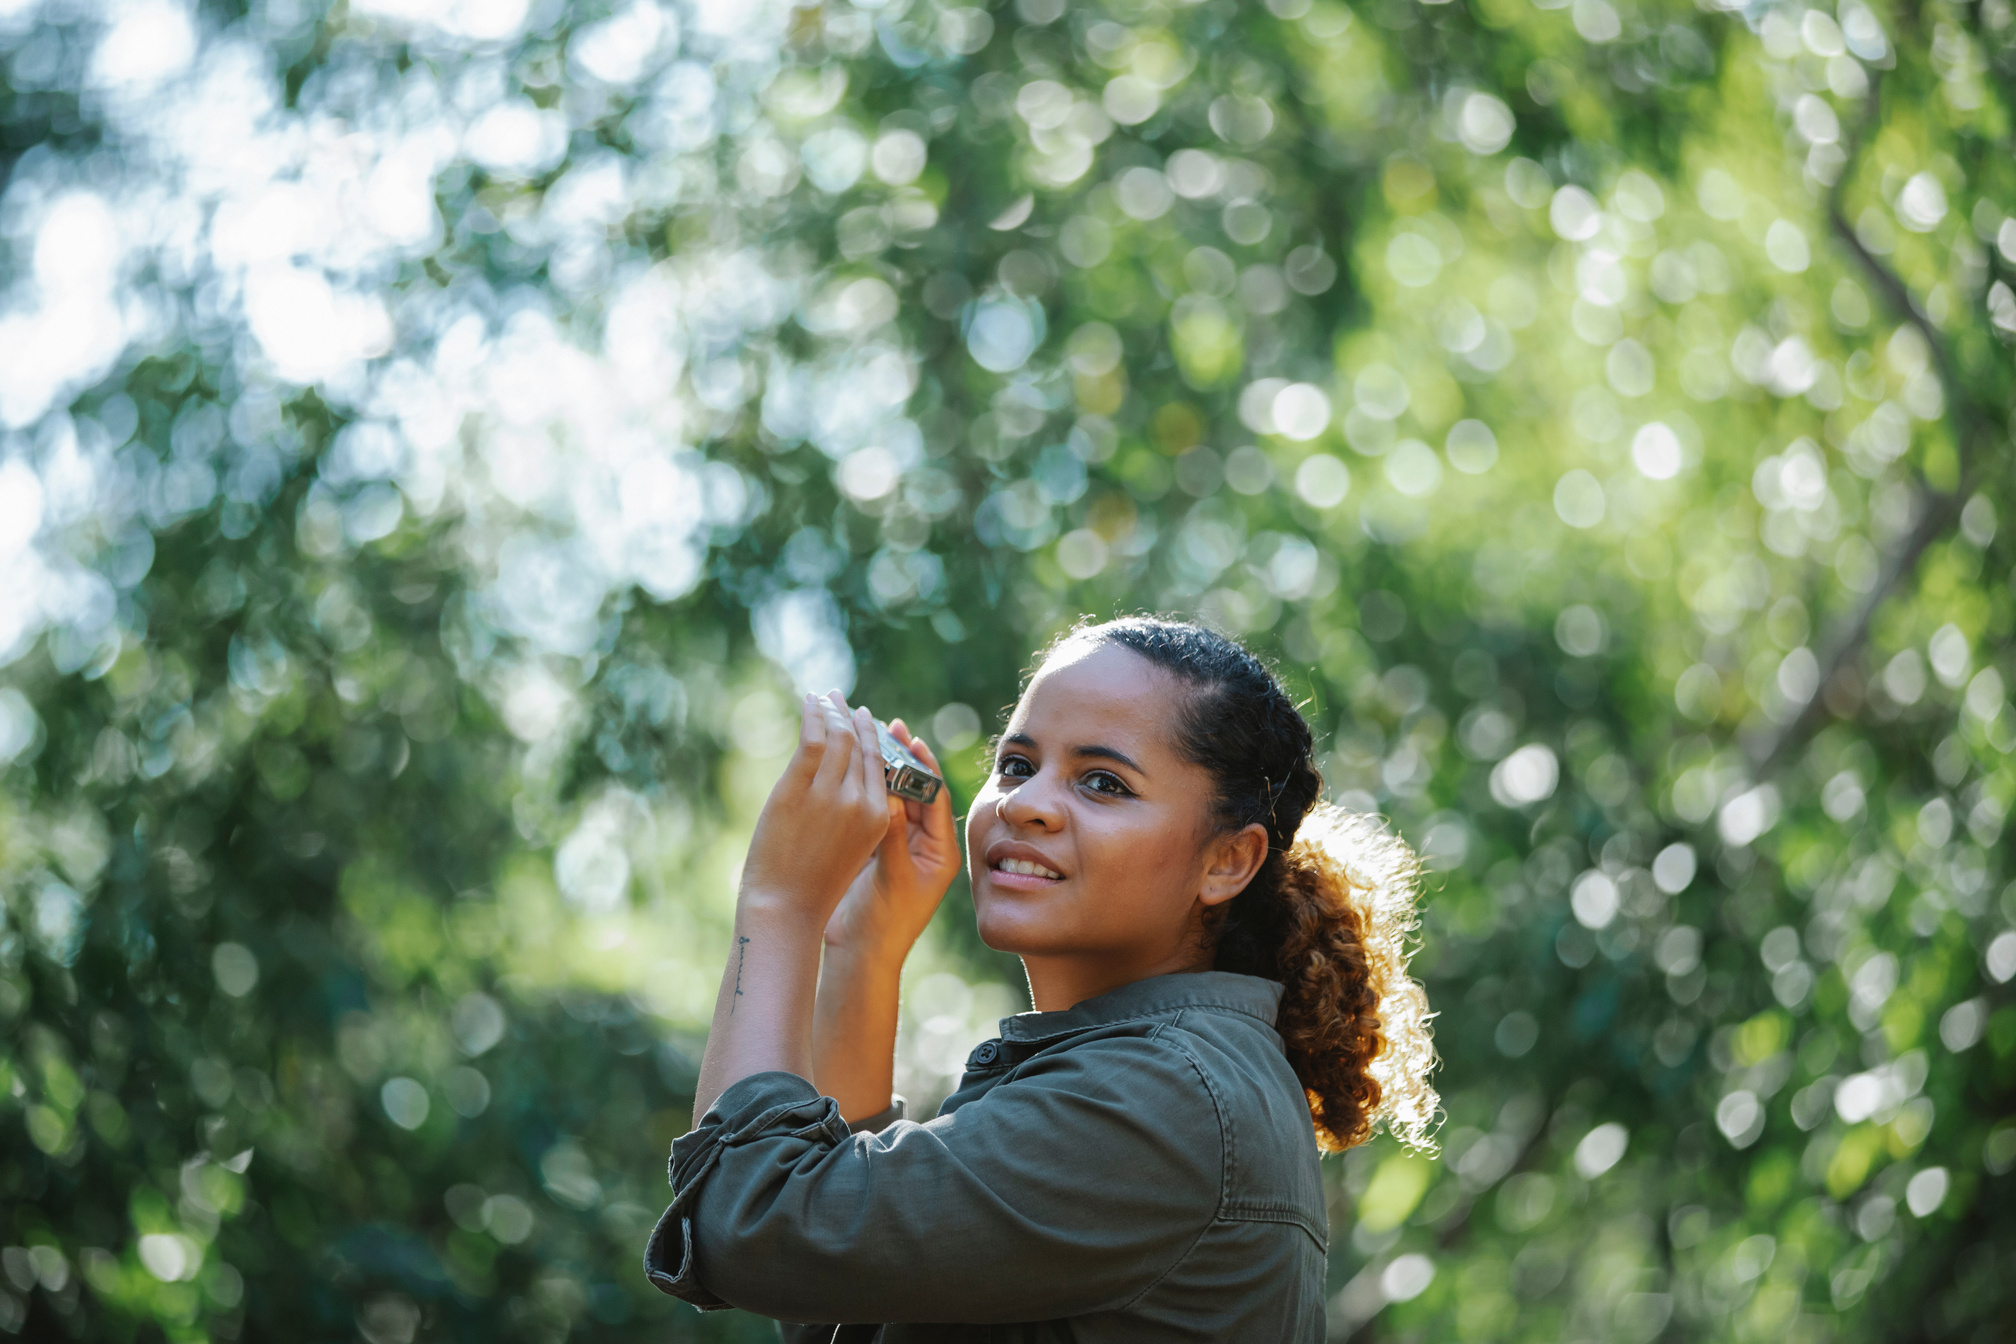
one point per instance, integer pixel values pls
(1094, 749)
(1109, 754)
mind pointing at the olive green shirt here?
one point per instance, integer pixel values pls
(1139, 1167)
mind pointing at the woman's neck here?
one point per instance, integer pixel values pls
(1060, 982)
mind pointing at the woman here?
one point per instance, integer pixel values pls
(1220, 988)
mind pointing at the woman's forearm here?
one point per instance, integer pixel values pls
(763, 1015)
(854, 1030)
(809, 879)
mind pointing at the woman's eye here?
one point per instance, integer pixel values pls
(1014, 767)
(1099, 781)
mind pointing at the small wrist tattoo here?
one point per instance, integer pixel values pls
(741, 946)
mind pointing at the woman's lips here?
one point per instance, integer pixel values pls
(1019, 874)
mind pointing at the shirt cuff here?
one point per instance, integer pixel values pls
(761, 1106)
(881, 1120)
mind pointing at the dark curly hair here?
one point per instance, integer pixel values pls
(1328, 914)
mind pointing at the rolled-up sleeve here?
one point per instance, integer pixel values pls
(1071, 1188)
(780, 1111)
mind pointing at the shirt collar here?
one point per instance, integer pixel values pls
(1248, 994)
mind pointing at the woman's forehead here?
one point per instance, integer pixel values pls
(1103, 685)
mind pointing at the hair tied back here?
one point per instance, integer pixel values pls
(1364, 876)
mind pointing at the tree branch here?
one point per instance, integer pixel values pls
(1936, 510)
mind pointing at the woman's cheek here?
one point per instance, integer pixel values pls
(984, 803)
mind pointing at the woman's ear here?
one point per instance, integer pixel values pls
(1230, 862)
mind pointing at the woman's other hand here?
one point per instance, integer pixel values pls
(889, 903)
(824, 819)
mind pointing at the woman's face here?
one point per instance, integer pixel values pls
(1093, 836)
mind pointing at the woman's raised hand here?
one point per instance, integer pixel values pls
(824, 819)
(888, 905)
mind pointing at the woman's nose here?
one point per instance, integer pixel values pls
(1033, 803)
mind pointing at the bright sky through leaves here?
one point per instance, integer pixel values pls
(437, 440)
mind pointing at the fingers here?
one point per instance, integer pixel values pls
(870, 764)
(852, 766)
(872, 795)
(851, 730)
(804, 764)
(836, 764)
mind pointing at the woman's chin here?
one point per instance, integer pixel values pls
(1016, 925)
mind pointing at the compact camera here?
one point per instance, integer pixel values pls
(906, 776)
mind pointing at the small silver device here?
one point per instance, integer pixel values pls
(906, 776)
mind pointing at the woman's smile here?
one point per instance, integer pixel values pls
(1020, 867)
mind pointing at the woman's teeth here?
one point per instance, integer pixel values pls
(1026, 868)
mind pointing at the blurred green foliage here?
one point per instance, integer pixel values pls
(436, 438)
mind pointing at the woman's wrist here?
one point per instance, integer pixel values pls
(782, 911)
(875, 938)
(865, 958)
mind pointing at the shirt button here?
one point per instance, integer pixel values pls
(986, 1053)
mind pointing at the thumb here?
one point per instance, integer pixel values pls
(937, 816)
(894, 852)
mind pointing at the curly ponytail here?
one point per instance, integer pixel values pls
(1329, 913)
(1354, 1022)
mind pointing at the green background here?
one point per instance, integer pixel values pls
(437, 442)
